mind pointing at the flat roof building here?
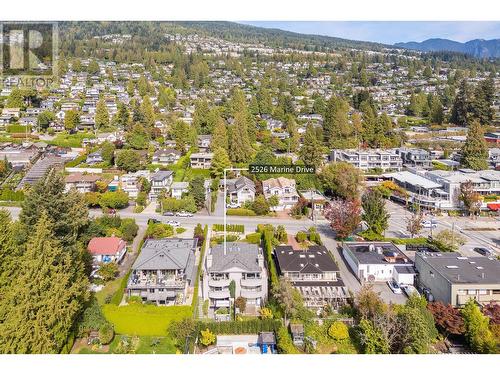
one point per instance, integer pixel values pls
(454, 279)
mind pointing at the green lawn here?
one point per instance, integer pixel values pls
(144, 320)
(165, 345)
(109, 289)
(70, 140)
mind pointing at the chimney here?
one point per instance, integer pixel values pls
(482, 275)
(458, 277)
(260, 260)
(209, 260)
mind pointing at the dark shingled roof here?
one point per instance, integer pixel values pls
(316, 259)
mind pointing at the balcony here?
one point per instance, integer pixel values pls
(218, 294)
(250, 283)
(251, 294)
(219, 282)
(142, 283)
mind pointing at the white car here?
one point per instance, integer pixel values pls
(429, 224)
(233, 205)
(184, 214)
(410, 290)
(394, 287)
(174, 223)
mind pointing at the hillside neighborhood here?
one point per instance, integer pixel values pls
(131, 211)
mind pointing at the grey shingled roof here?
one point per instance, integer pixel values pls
(238, 254)
(166, 254)
(238, 183)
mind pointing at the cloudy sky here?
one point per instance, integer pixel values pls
(390, 32)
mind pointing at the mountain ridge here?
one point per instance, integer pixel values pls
(480, 48)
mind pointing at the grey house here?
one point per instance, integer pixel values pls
(163, 271)
(242, 263)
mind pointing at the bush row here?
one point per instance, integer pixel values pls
(252, 326)
(235, 228)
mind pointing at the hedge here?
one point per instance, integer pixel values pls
(254, 238)
(235, 228)
(194, 304)
(240, 212)
(251, 326)
(18, 128)
(268, 247)
(11, 195)
(118, 296)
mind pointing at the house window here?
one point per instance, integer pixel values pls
(431, 274)
(461, 292)
(483, 291)
(471, 291)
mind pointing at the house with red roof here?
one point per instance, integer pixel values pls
(107, 249)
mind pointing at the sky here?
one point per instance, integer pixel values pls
(390, 32)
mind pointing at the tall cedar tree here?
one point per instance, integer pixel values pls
(197, 190)
(475, 149)
(101, 114)
(220, 162)
(461, 105)
(219, 135)
(50, 290)
(374, 212)
(240, 149)
(310, 152)
(67, 212)
(148, 114)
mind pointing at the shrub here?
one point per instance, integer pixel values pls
(284, 342)
(301, 236)
(254, 238)
(159, 230)
(266, 313)
(314, 236)
(235, 228)
(240, 212)
(106, 334)
(241, 303)
(338, 331)
(113, 199)
(129, 229)
(180, 230)
(207, 337)
(108, 271)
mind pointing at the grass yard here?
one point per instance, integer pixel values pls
(109, 289)
(70, 140)
(144, 320)
(147, 345)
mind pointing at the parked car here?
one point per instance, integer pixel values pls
(429, 224)
(153, 221)
(233, 205)
(184, 214)
(174, 223)
(409, 290)
(484, 251)
(394, 287)
(168, 213)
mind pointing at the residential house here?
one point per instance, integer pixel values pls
(179, 188)
(204, 142)
(315, 199)
(378, 262)
(40, 169)
(284, 189)
(455, 279)
(107, 249)
(201, 160)
(240, 190)
(413, 157)
(314, 274)
(82, 182)
(492, 137)
(166, 156)
(241, 263)
(94, 158)
(160, 180)
(163, 271)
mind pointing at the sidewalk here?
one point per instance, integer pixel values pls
(150, 208)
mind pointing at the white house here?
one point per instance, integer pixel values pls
(284, 189)
(240, 190)
(178, 188)
(378, 262)
(160, 180)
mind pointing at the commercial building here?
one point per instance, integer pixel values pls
(455, 279)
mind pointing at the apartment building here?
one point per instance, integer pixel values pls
(386, 160)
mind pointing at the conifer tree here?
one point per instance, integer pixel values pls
(220, 161)
(240, 149)
(148, 114)
(101, 115)
(311, 151)
(47, 297)
(475, 149)
(461, 106)
(219, 135)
